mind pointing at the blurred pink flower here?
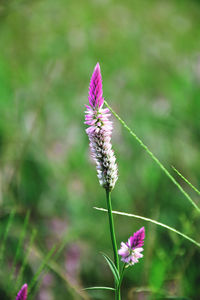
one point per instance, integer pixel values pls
(22, 295)
(72, 263)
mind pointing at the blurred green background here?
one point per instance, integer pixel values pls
(149, 52)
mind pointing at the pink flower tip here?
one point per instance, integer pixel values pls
(22, 295)
(97, 69)
(137, 240)
(97, 66)
(95, 89)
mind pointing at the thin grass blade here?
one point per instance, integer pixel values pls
(2, 249)
(41, 268)
(99, 288)
(21, 271)
(74, 290)
(154, 158)
(186, 180)
(152, 221)
(19, 246)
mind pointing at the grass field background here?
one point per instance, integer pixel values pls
(149, 52)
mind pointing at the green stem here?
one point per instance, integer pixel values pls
(112, 229)
(113, 238)
(121, 276)
(118, 291)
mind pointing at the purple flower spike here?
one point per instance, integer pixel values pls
(99, 132)
(131, 251)
(22, 295)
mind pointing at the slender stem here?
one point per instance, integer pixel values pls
(113, 238)
(118, 291)
(112, 229)
(121, 276)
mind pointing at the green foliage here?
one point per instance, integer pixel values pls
(20, 243)
(149, 56)
(19, 281)
(5, 235)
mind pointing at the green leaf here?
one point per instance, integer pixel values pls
(100, 288)
(112, 267)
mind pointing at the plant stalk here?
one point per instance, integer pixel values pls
(113, 238)
(121, 277)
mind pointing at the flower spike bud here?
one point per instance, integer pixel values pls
(130, 252)
(99, 133)
(22, 295)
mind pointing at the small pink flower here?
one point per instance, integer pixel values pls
(22, 295)
(99, 133)
(131, 251)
